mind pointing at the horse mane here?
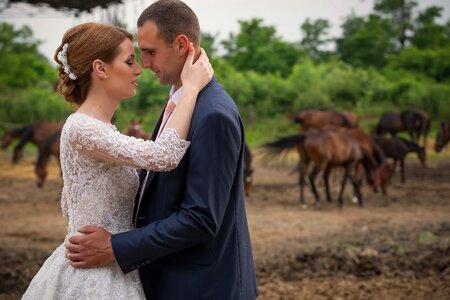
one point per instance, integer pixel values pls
(45, 149)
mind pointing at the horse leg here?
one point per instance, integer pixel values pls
(402, 169)
(394, 166)
(312, 179)
(17, 155)
(344, 181)
(357, 189)
(302, 182)
(326, 175)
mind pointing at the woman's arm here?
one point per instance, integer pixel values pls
(195, 76)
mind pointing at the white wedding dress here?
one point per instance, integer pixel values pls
(100, 183)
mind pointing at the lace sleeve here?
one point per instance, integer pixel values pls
(104, 141)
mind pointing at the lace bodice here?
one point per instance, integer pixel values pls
(99, 170)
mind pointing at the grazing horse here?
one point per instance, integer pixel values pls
(36, 133)
(397, 149)
(248, 170)
(319, 119)
(324, 150)
(135, 129)
(443, 137)
(51, 146)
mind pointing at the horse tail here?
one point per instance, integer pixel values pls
(284, 144)
(45, 149)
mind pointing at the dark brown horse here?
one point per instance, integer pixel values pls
(397, 149)
(135, 129)
(323, 150)
(443, 136)
(35, 133)
(248, 170)
(319, 119)
(50, 147)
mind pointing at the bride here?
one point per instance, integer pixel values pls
(97, 69)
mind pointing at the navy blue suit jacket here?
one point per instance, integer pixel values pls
(192, 239)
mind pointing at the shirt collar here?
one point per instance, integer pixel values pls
(175, 95)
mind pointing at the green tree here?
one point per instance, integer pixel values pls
(315, 37)
(256, 47)
(21, 65)
(365, 42)
(428, 34)
(399, 15)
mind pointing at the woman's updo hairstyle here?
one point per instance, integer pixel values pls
(80, 46)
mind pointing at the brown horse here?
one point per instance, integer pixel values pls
(135, 129)
(319, 119)
(36, 133)
(443, 136)
(323, 150)
(397, 149)
(51, 146)
(248, 170)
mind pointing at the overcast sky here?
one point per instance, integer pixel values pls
(216, 16)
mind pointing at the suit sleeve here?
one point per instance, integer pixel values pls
(213, 159)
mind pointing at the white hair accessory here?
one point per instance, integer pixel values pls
(62, 56)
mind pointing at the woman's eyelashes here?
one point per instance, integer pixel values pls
(130, 61)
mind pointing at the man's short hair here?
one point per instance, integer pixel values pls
(172, 18)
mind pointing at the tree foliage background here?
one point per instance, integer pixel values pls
(395, 58)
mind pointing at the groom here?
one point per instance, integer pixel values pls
(192, 239)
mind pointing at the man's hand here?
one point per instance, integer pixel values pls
(93, 249)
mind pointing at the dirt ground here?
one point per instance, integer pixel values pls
(396, 247)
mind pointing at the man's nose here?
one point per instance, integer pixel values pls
(146, 63)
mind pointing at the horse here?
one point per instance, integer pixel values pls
(443, 137)
(135, 129)
(36, 133)
(324, 150)
(248, 170)
(51, 146)
(397, 149)
(318, 119)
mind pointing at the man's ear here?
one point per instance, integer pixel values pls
(182, 43)
(99, 68)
